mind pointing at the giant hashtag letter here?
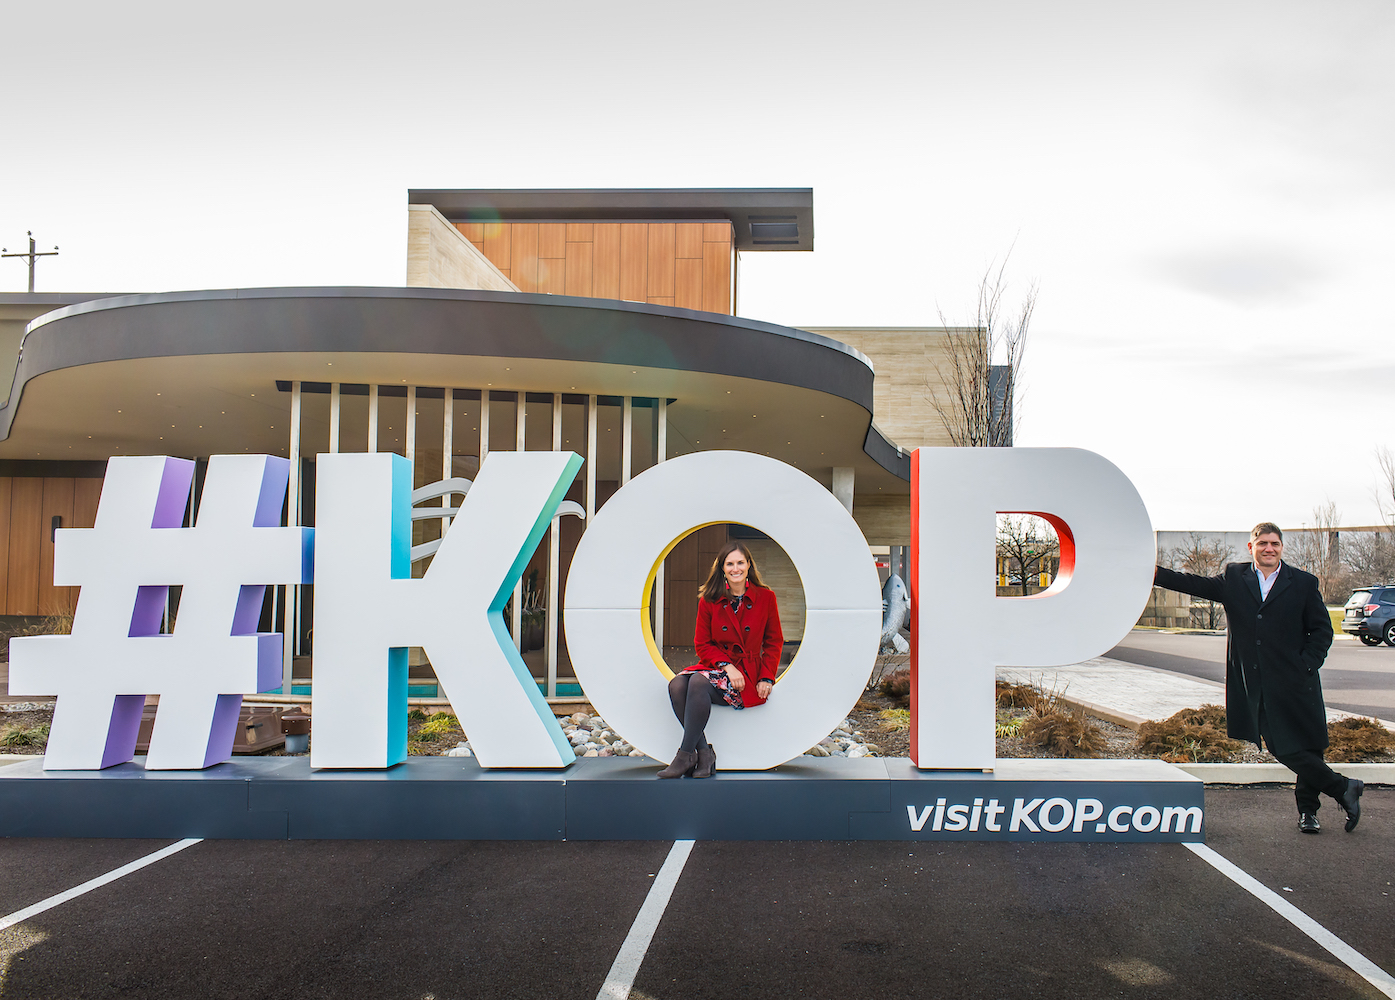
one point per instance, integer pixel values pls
(125, 565)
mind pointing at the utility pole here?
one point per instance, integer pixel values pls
(32, 255)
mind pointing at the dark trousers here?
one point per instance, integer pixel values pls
(1314, 776)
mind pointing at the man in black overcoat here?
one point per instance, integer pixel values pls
(1278, 634)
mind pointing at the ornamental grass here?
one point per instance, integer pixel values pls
(1191, 736)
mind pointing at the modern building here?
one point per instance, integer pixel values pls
(601, 321)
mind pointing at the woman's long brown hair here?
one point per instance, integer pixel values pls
(715, 588)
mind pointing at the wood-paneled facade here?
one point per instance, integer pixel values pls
(685, 569)
(683, 264)
(28, 506)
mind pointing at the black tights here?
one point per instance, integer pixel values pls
(693, 696)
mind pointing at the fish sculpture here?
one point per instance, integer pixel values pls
(896, 612)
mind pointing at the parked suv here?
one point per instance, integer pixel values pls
(1370, 614)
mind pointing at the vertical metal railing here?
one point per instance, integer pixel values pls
(447, 448)
(334, 418)
(372, 419)
(290, 605)
(554, 562)
(520, 408)
(290, 616)
(660, 453)
(591, 407)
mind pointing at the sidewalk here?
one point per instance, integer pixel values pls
(1124, 693)
(1128, 693)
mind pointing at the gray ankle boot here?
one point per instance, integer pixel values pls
(683, 762)
(706, 761)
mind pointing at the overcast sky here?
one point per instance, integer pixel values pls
(1204, 193)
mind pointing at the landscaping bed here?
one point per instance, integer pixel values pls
(1030, 723)
(24, 730)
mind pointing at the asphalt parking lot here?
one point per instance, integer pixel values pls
(449, 919)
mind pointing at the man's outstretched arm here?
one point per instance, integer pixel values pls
(1210, 588)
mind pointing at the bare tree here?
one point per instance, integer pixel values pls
(1028, 546)
(1371, 556)
(979, 383)
(1205, 558)
(1385, 485)
(1318, 550)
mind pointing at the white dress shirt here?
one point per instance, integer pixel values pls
(1266, 582)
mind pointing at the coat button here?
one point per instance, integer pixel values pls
(724, 628)
(1257, 642)
(1259, 616)
(748, 628)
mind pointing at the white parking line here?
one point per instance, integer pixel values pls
(1357, 962)
(96, 883)
(626, 966)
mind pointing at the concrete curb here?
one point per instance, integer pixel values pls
(1179, 631)
(1134, 722)
(1258, 774)
(16, 758)
(1100, 712)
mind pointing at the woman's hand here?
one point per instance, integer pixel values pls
(738, 679)
(763, 688)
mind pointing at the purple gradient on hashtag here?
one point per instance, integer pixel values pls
(123, 729)
(224, 729)
(272, 498)
(173, 498)
(269, 661)
(149, 610)
(248, 613)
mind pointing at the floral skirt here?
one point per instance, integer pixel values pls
(721, 680)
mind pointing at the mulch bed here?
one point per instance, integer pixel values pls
(443, 736)
(24, 721)
(1120, 742)
(890, 736)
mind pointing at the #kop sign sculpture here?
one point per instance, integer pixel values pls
(368, 609)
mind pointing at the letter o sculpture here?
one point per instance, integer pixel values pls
(612, 574)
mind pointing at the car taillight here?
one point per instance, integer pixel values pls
(1370, 609)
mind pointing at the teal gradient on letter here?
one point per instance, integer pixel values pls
(401, 566)
(400, 569)
(397, 705)
(496, 608)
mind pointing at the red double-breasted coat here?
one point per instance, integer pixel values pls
(751, 641)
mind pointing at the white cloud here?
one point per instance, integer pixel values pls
(1253, 275)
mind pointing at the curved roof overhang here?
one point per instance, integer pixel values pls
(196, 373)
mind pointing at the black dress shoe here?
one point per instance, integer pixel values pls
(1351, 802)
(1307, 823)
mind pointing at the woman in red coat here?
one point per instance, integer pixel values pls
(739, 641)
